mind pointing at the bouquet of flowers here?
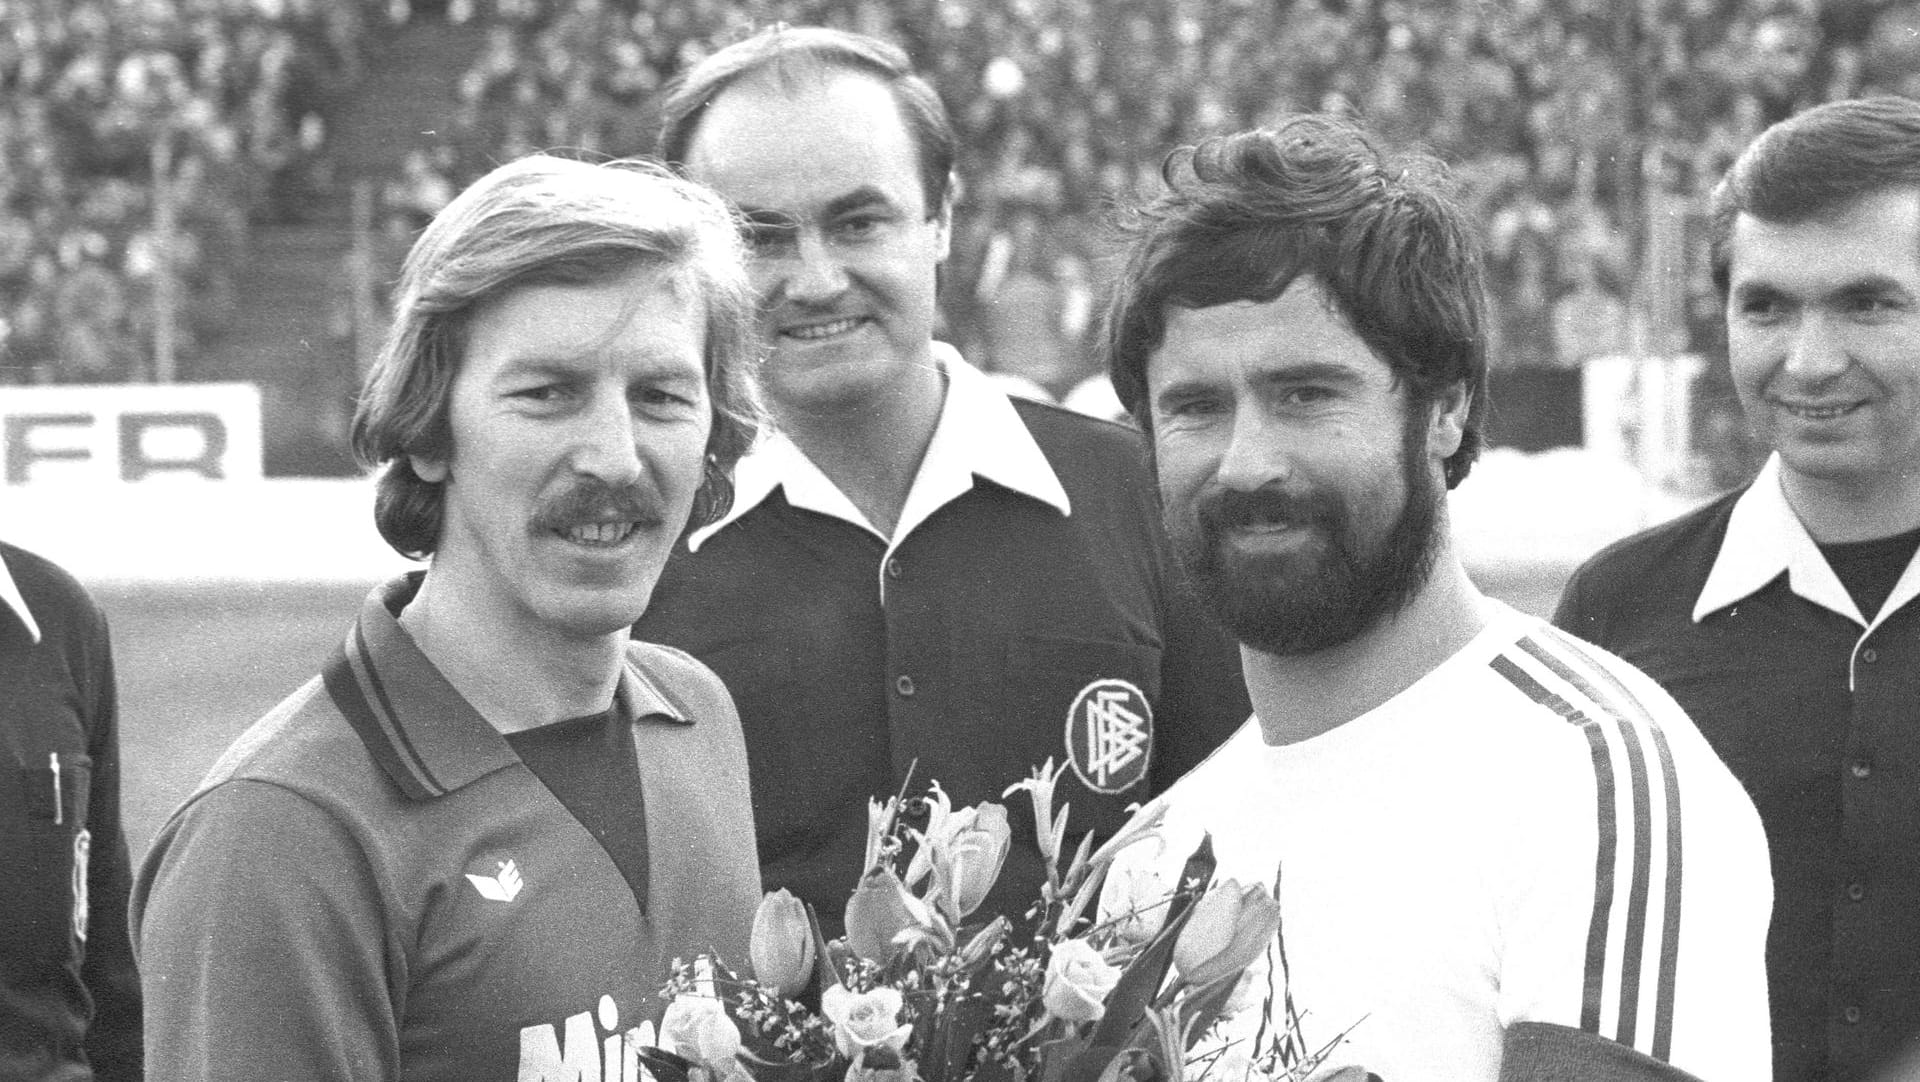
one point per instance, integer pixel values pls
(917, 991)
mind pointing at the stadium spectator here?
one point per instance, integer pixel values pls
(470, 848)
(921, 580)
(1783, 615)
(1442, 792)
(69, 995)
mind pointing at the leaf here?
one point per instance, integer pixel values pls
(1144, 977)
(666, 1066)
(824, 974)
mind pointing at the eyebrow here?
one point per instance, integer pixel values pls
(1867, 283)
(859, 198)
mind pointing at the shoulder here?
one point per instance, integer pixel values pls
(1614, 729)
(303, 745)
(53, 595)
(682, 678)
(1682, 546)
(1071, 438)
(41, 580)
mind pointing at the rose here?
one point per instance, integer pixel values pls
(968, 856)
(782, 944)
(697, 1028)
(1230, 926)
(864, 1021)
(1077, 983)
(878, 912)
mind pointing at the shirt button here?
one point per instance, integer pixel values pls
(1869, 655)
(904, 685)
(1856, 891)
(893, 568)
(1851, 1016)
(1860, 768)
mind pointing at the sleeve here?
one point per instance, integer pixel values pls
(113, 984)
(263, 945)
(1634, 899)
(1203, 695)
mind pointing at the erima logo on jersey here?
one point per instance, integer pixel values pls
(1110, 735)
(501, 887)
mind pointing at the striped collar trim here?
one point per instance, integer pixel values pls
(422, 732)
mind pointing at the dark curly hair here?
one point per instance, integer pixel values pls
(545, 220)
(1244, 215)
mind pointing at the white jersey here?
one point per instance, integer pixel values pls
(1532, 832)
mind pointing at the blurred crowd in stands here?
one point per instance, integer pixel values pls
(1574, 123)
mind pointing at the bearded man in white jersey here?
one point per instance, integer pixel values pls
(1500, 852)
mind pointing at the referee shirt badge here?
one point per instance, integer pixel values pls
(1110, 735)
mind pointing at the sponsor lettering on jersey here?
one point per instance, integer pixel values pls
(587, 1047)
(1110, 735)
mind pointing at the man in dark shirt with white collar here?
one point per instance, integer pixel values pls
(1782, 616)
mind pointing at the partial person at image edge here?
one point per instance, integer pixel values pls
(1782, 615)
(69, 993)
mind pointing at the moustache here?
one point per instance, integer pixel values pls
(1228, 508)
(589, 501)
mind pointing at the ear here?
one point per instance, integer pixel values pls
(943, 222)
(426, 469)
(1447, 425)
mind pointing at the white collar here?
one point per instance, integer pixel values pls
(10, 593)
(1764, 538)
(978, 434)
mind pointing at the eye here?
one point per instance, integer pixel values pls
(1873, 305)
(766, 237)
(859, 227)
(1309, 395)
(542, 394)
(664, 399)
(1762, 307)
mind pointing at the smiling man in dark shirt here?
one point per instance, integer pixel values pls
(1782, 616)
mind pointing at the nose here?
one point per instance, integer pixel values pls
(813, 272)
(1815, 353)
(606, 441)
(1255, 454)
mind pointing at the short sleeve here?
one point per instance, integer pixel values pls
(263, 945)
(1636, 896)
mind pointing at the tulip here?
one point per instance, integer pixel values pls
(1230, 926)
(866, 1021)
(878, 912)
(1078, 981)
(782, 944)
(968, 859)
(697, 1028)
(1135, 900)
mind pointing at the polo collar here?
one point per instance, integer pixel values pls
(1764, 538)
(424, 734)
(979, 434)
(11, 596)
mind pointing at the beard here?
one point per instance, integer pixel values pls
(1331, 587)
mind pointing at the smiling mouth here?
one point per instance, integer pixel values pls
(598, 534)
(1819, 413)
(808, 332)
